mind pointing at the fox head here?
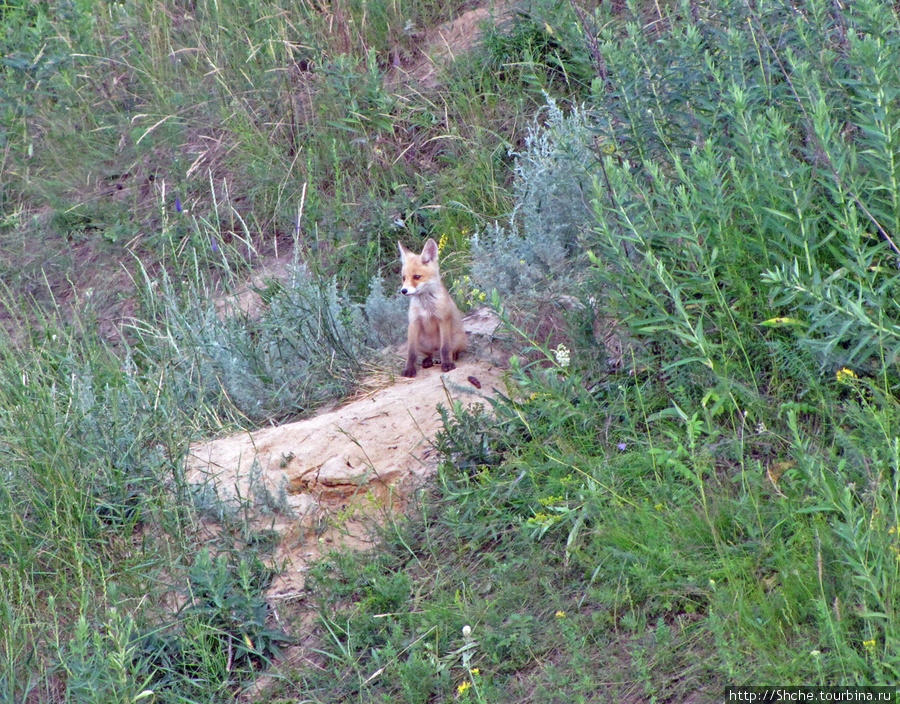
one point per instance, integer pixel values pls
(419, 271)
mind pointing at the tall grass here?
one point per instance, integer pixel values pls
(116, 117)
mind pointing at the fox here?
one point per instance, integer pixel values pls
(435, 323)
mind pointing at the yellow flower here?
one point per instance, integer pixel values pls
(463, 687)
(560, 614)
(869, 645)
(476, 671)
(845, 376)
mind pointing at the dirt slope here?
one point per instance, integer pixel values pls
(319, 482)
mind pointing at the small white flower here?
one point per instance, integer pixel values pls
(562, 355)
(467, 631)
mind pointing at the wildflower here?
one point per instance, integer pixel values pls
(622, 446)
(562, 355)
(442, 242)
(466, 631)
(659, 507)
(869, 645)
(560, 614)
(177, 204)
(845, 376)
(463, 687)
(476, 671)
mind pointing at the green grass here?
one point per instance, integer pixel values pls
(691, 478)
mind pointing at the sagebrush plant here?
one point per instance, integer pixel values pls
(552, 192)
(305, 347)
(385, 313)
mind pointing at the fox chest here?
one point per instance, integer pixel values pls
(426, 324)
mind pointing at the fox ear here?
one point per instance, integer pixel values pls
(403, 250)
(430, 252)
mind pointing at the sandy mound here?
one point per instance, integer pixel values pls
(444, 43)
(322, 480)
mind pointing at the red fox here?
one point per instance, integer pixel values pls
(435, 323)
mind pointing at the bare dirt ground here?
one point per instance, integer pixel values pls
(321, 482)
(447, 41)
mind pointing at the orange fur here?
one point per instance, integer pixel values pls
(435, 323)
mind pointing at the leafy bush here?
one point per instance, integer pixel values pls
(220, 635)
(758, 201)
(743, 231)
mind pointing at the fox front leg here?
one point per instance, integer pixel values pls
(446, 353)
(412, 354)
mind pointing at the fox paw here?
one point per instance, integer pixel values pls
(427, 363)
(447, 366)
(409, 371)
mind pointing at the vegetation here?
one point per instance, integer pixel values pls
(692, 482)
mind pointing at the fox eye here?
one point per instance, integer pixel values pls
(417, 276)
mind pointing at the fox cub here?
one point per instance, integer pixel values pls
(435, 323)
